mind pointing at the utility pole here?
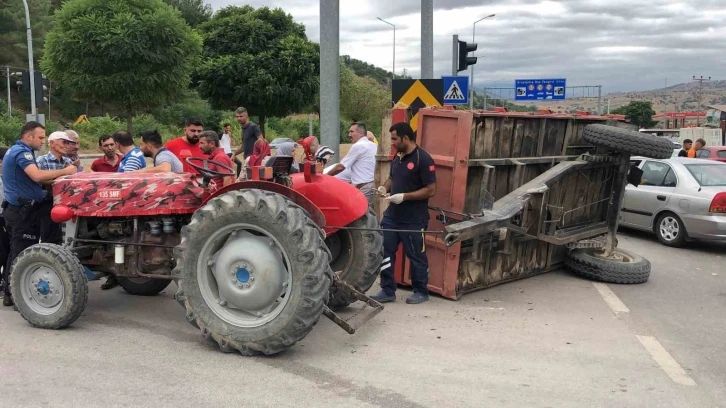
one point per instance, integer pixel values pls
(427, 39)
(31, 68)
(330, 75)
(700, 96)
(455, 56)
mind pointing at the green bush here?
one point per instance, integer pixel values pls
(9, 130)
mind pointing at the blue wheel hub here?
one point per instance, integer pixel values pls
(242, 275)
(43, 287)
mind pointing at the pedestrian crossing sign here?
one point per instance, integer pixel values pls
(456, 90)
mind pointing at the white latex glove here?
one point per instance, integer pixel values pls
(395, 199)
(382, 190)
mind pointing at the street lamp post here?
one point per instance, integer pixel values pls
(471, 74)
(30, 62)
(394, 48)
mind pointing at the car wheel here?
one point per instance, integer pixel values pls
(670, 230)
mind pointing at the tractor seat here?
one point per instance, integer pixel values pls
(280, 164)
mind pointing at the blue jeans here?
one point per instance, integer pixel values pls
(414, 248)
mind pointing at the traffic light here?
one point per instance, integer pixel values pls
(40, 88)
(461, 59)
(464, 59)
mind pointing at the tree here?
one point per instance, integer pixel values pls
(259, 59)
(362, 99)
(639, 113)
(132, 54)
(13, 43)
(194, 12)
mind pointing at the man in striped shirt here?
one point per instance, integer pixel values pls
(59, 146)
(133, 157)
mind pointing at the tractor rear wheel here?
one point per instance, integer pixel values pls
(628, 141)
(143, 286)
(253, 272)
(48, 285)
(357, 255)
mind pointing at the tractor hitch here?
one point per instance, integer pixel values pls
(352, 323)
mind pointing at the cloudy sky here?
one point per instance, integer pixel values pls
(619, 44)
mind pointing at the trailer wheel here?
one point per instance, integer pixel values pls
(623, 267)
(143, 286)
(357, 254)
(628, 141)
(253, 272)
(48, 286)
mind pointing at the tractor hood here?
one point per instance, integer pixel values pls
(128, 194)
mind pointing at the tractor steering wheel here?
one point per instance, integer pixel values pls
(206, 172)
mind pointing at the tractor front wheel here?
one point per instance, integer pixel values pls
(253, 272)
(48, 285)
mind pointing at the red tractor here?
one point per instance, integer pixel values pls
(254, 261)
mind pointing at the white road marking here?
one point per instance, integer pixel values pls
(666, 361)
(611, 298)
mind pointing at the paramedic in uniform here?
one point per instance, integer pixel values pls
(24, 193)
(412, 181)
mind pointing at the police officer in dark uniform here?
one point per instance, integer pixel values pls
(412, 181)
(24, 194)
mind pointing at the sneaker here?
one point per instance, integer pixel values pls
(383, 297)
(417, 298)
(111, 282)
(8, 300)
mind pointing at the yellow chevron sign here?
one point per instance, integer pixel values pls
(417, 94)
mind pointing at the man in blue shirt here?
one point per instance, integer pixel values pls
(24, 193)
(133, 157)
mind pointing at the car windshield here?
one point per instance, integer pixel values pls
(708, 174)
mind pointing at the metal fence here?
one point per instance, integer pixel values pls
(572, 92)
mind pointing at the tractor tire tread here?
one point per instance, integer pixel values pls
(628, 141)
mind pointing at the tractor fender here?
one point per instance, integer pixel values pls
(341, 202)
(315, 213)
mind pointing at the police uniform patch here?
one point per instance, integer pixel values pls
(28, 156)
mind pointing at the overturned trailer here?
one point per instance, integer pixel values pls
(521, 194)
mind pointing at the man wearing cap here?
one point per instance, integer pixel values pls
(24, 194)
(59, 146)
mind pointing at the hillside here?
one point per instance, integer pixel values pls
(680, 97)
(364, 69)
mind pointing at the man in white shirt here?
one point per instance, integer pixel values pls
(226, 143)
(360, 160)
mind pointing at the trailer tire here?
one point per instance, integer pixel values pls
(357, 254)
(143, 286)
(628, 141)
(293, 296)
(49, 286)
(632, 268)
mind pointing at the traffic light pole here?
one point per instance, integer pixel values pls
(455, 56)
(33, 108)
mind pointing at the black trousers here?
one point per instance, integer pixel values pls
(4, 251)
(237, 162)
(414, 248)
(50, 231)
(23, 226)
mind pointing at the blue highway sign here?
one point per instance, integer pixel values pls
(539, 89)
(456, 90)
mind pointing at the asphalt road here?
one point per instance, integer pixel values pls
(550, 341)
